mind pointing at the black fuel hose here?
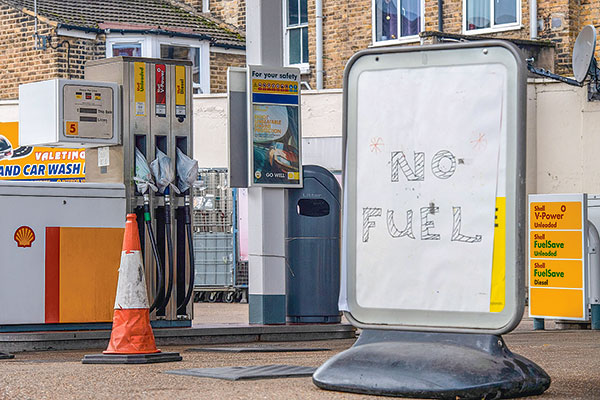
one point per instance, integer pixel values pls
(169, 251)
(188, 230)
(159, 267)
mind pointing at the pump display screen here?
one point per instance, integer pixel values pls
(88, 112)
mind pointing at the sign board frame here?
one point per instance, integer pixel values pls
(557, 224)
(278, 105)
(479, 53)
(237, 127)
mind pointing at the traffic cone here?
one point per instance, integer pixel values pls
(131, 339)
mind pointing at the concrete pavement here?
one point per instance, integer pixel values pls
(572, 359)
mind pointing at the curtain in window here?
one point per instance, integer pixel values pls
(127, 49)
(386, 20)
(478, 14)
(505, 11)
(410, 23)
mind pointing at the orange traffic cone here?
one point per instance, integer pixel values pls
(131, 339)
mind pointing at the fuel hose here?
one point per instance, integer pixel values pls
(188, 230)
(159, 267)
(169, 248)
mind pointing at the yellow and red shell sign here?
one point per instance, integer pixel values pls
(24, 236)
(37, 163)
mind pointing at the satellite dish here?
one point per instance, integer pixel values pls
(583, 52)
(584, 64)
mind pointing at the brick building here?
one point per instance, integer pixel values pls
(67, 33)
(352, 25)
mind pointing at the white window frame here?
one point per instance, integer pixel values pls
(401, 39)
(511, 26)
(151, 49)
(204, 58)
(126, 39)
(304, 67)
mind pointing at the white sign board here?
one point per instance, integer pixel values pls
(426, 186)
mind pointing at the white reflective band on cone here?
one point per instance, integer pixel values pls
(131, 289)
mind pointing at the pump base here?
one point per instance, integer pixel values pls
(432, 365)
(6, 356)
(148, 358)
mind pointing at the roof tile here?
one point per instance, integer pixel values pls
(160, 15)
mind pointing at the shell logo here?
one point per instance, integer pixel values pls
(24, 236)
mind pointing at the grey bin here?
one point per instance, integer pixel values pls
(313, 248)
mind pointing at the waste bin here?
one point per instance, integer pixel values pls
(313, 248)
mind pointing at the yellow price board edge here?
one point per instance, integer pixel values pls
(558, 302)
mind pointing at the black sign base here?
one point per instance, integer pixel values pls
(432, 365)
(6, 356)
(147, 358)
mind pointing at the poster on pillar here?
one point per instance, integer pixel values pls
(432, 166)
(274, 124)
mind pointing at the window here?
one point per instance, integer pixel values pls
(154, 46)
(296, 31)
(490, 14)
(127, 49)
(185, 53)
(392, 22)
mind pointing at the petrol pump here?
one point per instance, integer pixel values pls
(154, 163)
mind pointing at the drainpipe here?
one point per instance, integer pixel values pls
(35, 24)
(441, 15)
(319, 32)
(533, 19)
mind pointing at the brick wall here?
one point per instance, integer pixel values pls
(346, 30)
(197, 4)
(82, 50)
(232, 12)
(21, 63)
(219, 62)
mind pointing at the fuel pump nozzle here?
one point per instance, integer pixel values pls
(164, 175)
(187, 174)
(143, 182)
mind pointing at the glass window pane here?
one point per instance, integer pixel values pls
(303, 11)
(294, 46)
(505, 11)
(183, 53)
(292, 12)
(127, 49)
(176, 52)
(410, 20)
(305, 45)
(386, 20)
(478, 14)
